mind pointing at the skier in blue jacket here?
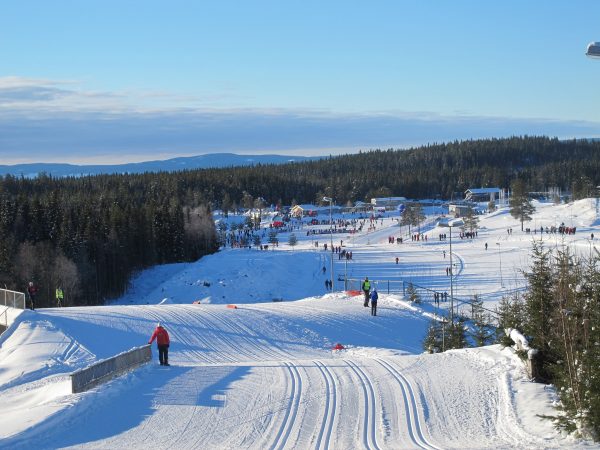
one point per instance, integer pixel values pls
(374, 298)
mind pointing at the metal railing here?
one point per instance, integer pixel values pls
(103, 371)
(12, 299)
(4, 322)
(464, 307)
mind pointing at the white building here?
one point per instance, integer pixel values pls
(387, 202)
(495, 195)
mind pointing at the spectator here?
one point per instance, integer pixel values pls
(366, 287)
(374, 298)
(60, 295)
(32, 290)
(162, 342)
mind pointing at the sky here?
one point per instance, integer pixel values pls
(113, 81)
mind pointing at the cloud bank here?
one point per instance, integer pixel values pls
(42, 121)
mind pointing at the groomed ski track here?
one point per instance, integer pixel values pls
(262, 377)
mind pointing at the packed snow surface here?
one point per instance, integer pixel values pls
(264, 375)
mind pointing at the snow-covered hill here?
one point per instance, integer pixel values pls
(264, 375)
(169, 165)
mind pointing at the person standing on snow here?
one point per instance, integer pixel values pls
(374, 298)
(162, 342)
(366, 287)
(32, 290)
(60, 295)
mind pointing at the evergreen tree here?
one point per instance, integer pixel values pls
(590, 347)
(457, 336)
(470, 221)
(511, 314)
(520, 205)
(582, 187)
(273, 238)
(226, 204)
(482, 331)
(292, 240)
(418, 215)
(247, 200)
(433, 339)
(540, 306)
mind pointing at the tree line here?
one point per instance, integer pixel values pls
(101, 229)
(90, 234)
(441, 171)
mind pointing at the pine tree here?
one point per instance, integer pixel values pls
(457, 336)
(540, 306)
(273, 240)
(247, 200)
(481, 334)
(433, 339)
(511, 314)
(470, 221)
(520, 205)
(292, 240)
(590, 355)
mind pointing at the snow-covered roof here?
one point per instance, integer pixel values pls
(483, 190)
(387, 199)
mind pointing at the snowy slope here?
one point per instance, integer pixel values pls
(260, 376)
(264, 375)
(232, 276)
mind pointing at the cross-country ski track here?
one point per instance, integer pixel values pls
(260, 377)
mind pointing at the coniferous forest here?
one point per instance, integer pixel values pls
(89, 234)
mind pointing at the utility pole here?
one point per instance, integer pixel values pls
(330, 200)
(451, 277)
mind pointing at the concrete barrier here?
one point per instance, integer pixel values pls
(103, 371)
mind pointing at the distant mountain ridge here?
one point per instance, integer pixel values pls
(212, 160)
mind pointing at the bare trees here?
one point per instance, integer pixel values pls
(48, 269)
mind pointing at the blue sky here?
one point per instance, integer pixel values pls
(114, 81)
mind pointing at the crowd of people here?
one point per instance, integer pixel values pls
(562, 229)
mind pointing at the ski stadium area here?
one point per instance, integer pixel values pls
(264, 375)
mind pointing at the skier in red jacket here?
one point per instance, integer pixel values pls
(162, 341)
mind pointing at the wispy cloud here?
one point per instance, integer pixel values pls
(48, 121)
(38, 98)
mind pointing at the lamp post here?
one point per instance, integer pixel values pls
(330, 200)
(593, 50)
(500, 258)
(597, 200)
(451, 277)
(449, 224)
